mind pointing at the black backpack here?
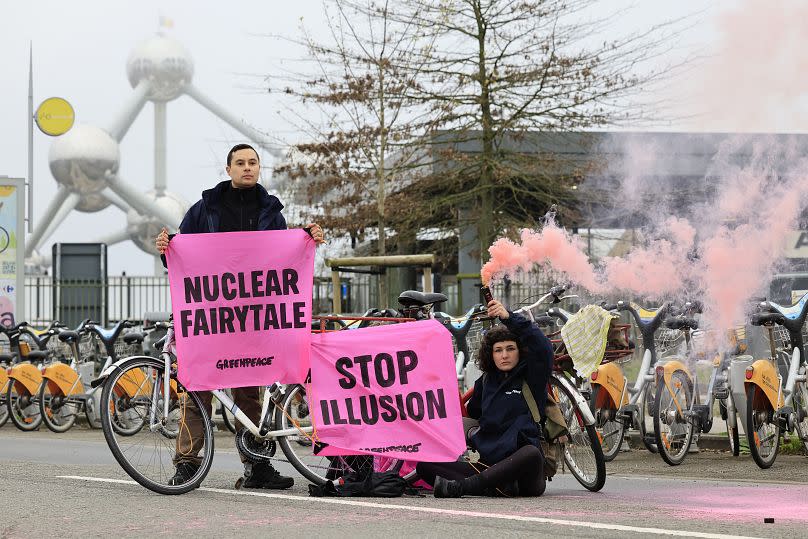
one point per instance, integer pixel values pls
(371, 485)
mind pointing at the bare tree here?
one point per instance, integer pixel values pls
(498, 74)
(368, 133)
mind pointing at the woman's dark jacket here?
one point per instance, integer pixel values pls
(221, 203)
(506, 423)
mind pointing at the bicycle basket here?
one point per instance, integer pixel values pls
(474, 337)
(667, 341)
(616, 349)
(59, 350)
(782, 341)
(123, 350)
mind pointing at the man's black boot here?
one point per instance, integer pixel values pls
(264, 475)
(185, 471)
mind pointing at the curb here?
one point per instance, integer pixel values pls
(713, 442)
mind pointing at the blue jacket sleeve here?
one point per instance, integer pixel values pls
(539, 347)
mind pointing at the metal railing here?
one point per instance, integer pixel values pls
(129, 297)
(133, 297)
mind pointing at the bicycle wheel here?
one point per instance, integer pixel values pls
(763, 429)
(801, 411)
(58, 412)
(646, 410)
(3, 408)
(731, 419)
(582, 453)
(610, 429)
(148, 455)
(124, 402)
(90, 409)
(227, 418)
(299, 448)
(23, 409)
(673, 430)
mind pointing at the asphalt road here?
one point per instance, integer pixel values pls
(69, 485)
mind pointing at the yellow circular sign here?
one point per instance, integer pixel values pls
(55, 116)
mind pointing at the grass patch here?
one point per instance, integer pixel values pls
(793, 446)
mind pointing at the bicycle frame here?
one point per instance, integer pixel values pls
(272, 394)
(763, 371)
(646, 374)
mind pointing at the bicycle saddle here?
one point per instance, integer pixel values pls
(69, 336)
(682, 322)
(39, 332)
(646, 315)
(413, 298)
(767, 319)
(36, 355)
(109, 336)
(133, 337)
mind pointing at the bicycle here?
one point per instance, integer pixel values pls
(772, 405)
(719, 388)
(24, 375)
(147, 457)
(617, 405)
(5, 364)
(66, 383)
(676, 408)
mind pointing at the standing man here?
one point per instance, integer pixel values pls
(234, 205)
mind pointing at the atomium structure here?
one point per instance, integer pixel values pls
(85, 160)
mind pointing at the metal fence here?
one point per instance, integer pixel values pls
(134, 297)
(128, 297)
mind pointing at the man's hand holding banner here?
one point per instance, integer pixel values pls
(389, 390)
(242, 307)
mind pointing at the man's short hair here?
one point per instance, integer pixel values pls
(238, 147)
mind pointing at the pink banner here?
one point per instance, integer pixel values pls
(242, 307)
(387, 390)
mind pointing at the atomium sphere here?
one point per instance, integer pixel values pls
(143, 229)
(164, 63)
(92, 202)
(81, 159)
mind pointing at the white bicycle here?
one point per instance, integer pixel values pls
(147, 456)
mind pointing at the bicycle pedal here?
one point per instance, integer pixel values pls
(701, 410)
(628, 413)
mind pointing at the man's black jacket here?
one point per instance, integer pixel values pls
(506, 423)
(205, 215)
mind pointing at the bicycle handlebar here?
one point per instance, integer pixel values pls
(555, 292)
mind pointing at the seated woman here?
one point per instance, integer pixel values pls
(508, 439)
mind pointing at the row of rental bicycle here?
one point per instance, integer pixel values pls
(47, 375)
(752, 376)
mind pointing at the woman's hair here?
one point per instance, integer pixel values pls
(485, 356)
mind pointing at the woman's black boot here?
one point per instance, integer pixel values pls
(446, 488)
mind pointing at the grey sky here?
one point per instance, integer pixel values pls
(80, 53)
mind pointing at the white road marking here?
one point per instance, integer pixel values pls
(435, 510)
